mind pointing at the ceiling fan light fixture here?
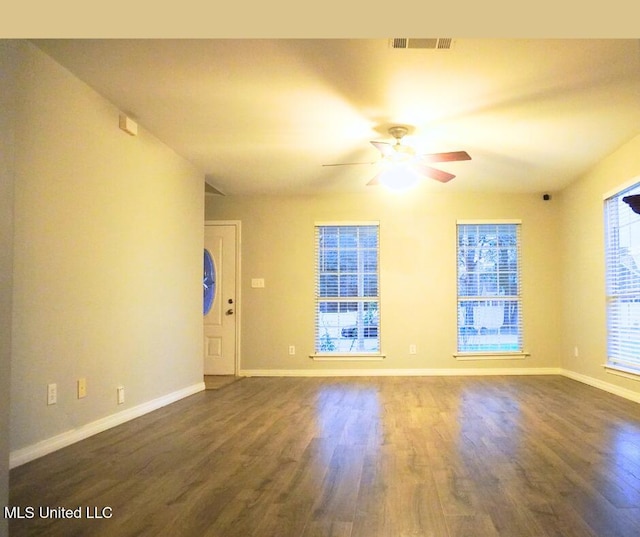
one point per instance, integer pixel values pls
(399, 178)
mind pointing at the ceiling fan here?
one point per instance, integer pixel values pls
(399, 154)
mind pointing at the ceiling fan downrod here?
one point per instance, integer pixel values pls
(402, 153)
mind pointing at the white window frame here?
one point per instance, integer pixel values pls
(493, 299)
(340, 353)
(622, 280)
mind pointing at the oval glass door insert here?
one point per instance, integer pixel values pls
(208, 282)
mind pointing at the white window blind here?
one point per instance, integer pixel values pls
(489, 302)
(622, 258)
(347, 298)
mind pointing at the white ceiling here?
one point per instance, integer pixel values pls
(263, 116)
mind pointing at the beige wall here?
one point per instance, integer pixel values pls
(8, 61)
(107, 264)
(418, 274)
(108, 258)
(584, 316)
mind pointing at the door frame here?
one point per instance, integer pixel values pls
(237, 224)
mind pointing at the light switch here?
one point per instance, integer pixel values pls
(257, 283)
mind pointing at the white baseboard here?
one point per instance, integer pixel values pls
(602, 385)
(606, 386)
(49, 445)
(400, 372)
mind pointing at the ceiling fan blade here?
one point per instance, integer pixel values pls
(384, 147)
(375, 181)
(451, 156)
(356, 157)
(438, 175)
(348, 164)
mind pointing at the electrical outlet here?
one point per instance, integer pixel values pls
(412, 349)
(576, 353)
(82, 388)
(120, 395)
(292, 349)
(52, 394)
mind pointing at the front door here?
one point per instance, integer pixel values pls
(220, 319)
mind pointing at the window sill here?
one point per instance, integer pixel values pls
(347, 357)
(622, 371)
(490, 355)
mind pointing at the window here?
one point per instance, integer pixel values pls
(489, 304)
(622, 259)
(347, 299)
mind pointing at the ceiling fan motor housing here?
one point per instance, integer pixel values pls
(401, 153)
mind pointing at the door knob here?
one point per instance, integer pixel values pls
(229, 312)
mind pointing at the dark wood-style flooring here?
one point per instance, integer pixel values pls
(215, 382)
(353, 457)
